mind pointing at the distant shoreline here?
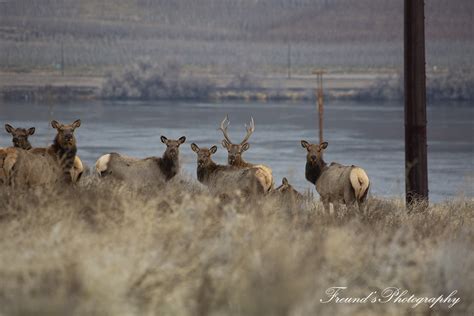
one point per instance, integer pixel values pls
(40, 87)
(360, 86)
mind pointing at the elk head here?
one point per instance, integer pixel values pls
(235, 151)
(315, 151)
(287, 188)
(65, 134)
(203, 154)
(20, 136)
(172, 146)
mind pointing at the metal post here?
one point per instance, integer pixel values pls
(62, 58)
(319, 96)
(416, 165)
(289, 60)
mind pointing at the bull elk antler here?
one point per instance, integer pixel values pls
(250, 129)
(225, 124)
(223, 128)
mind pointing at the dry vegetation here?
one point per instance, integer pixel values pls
(455, 84)
(145, 80)
(108, 250)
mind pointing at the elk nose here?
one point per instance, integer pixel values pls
(68, 137)
(313, 157)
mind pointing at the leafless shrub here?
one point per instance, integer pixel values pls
(451, 85)
(147, 81)
(244, 81)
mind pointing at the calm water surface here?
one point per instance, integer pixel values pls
(366, 134)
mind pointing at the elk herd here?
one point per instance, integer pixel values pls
(25, 165)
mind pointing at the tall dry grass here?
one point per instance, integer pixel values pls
(105, 249)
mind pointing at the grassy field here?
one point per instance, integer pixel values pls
(101, 249)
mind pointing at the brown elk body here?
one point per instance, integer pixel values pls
(235, 152)
(225, 179)
(335, 183)
(20, 140)
(40, 166)
(151, 170)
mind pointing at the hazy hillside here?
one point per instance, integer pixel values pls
(330, 33)
(304, 20)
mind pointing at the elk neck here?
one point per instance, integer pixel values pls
(66, 154)
(241, 163)
(204, 172)
(314, 170)
(169, 166)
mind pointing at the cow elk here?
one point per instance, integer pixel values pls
(225, 177)
(335, 183)
(235, 151)
(151, 170)
(20, 136)
(20, 140)
(40, 166)
(286, 190)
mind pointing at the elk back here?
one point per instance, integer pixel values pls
(25, 168)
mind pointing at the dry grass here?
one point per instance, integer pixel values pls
(107, 250)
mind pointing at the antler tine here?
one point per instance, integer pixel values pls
(250, 129)
(223, 128)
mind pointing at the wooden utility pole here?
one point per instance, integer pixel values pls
(319, 97)
(416, 165)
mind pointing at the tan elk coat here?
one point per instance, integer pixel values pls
(41, 166)
(139, 172)
(335, 183)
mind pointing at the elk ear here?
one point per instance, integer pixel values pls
(31, 131)
(225, 144)
(213, 149)
(9, 128)
(305, 144)
(164, 140)
(55, 124)
(284, 181)
(245, 147)
(194, 147)
(76, 124)
(182, 139)
(324, 145)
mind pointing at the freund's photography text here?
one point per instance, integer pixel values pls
(389, 295)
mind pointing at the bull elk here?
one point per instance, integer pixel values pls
(235, 151)
(139, 171)
(335, 183)
(20, 140)
(226, 177)
(39, 166)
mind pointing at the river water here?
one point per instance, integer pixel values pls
(370, 135)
